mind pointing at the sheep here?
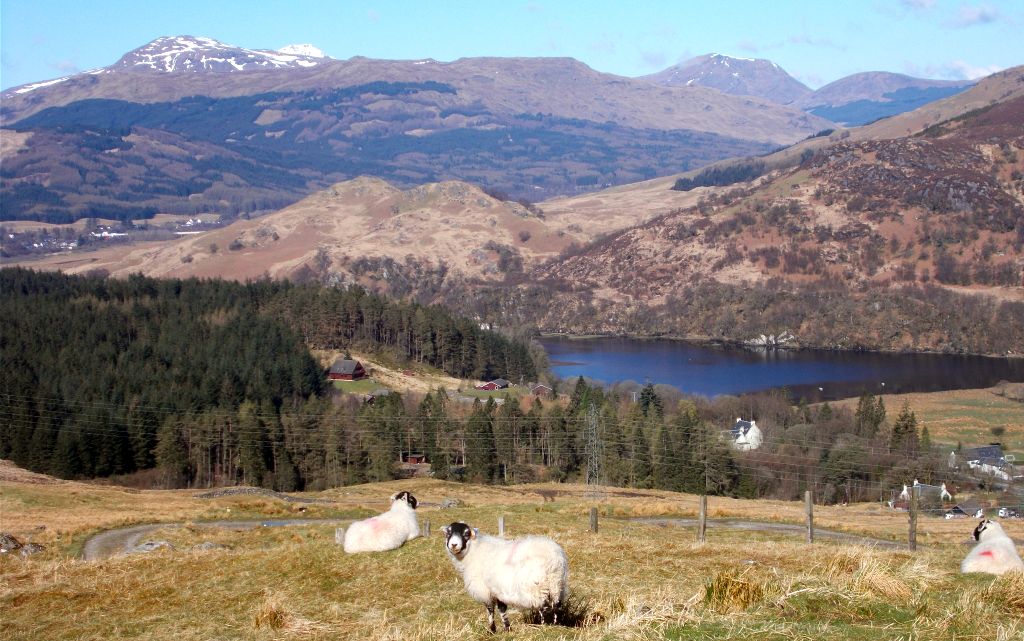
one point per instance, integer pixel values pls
(386, 531)
(527, 573)
(995, 552)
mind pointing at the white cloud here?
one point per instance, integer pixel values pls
(953, 70)
(960, 70)
(970, 15)
(749, 46)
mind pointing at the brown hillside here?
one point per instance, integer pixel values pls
(355, 230)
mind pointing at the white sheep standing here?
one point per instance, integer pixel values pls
(527, 573)
(995, 552)
(385, 531)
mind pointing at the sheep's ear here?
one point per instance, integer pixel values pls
(473, 532)
(446, 530)
(394, 496)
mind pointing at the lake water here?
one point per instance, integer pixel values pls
(710, 370)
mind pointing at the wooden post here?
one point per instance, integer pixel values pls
(501, 525)
(426, 528)
(809, 508)
(339, 535)
(912, 536)
(702, 520)
(593, 519)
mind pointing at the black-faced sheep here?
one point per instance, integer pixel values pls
(995, 552)
(386, 531)
(527, 573)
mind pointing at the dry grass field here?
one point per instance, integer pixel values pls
(964, 416)
(629, 581)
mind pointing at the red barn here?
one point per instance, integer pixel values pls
(345, 369)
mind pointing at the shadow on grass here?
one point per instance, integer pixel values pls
(574, 612)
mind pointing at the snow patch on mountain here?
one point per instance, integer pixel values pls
(39, 85)
(175, 54)
(304, 50)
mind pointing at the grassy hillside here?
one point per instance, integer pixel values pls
(630, 580)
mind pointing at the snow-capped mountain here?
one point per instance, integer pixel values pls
(176, 54)
(737, 76)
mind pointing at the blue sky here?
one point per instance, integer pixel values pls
(816, 42)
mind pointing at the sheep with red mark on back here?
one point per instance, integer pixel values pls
(385, 531)
(995, 552)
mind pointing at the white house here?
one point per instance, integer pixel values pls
(746, 435)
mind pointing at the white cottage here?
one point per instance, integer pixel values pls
(746, 435)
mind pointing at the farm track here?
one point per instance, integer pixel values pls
(122, 540)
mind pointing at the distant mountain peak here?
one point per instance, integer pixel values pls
(191, 54)
(737, 76)
(306, 50)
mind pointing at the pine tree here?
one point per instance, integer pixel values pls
(650, 402)
(580, 394)
(171, 455)
(252, 444)
(481, 455)
(904, 439)
(641, 475)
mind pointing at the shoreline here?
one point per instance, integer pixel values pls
(718, 342)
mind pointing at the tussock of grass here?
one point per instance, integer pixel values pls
(733, 591)
(272, 613)
(1008, 592)
(878, 578)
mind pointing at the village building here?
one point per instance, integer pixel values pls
(346, 369)
(745, 435)
(966, 509)
(498, 383)
(988, 460)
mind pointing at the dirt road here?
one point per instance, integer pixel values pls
(122, 540)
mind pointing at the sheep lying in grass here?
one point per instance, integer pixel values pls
(386, 531)
(995, 552)
(528, 573)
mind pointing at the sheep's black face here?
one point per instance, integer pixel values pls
(457, 537)
(981, 528)
(408, 498)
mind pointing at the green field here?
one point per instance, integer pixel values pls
(364, 386)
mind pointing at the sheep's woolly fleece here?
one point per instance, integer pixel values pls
(995, 552)
(386, 531)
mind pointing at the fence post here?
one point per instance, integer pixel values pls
(912, 535)
(501, 525)
(339, 535)
(426, 528)
(593, 519)
(702, 521)
(809, 509)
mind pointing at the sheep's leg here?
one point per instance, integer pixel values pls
(490, 616)
(503, 611)
(549, 606)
